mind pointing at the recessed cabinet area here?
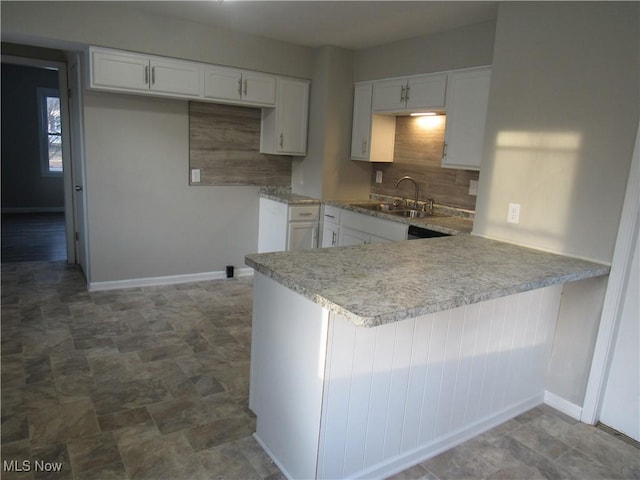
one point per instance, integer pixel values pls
(462, 95)
(284, 100)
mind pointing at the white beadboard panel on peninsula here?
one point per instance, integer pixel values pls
(374, 401)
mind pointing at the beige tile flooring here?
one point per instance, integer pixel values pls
(152, 383)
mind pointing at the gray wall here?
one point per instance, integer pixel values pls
(327, 171)
(23, 185)
(562, 120)
(73, 25)
(145, 220)
(463, 47)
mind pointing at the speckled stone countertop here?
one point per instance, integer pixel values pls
(381, 283)
(284, 195)
(449, 224)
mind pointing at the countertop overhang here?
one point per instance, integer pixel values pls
(376, 284)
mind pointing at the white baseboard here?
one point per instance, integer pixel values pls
(33, 210)
(562, 405)
(168, 280)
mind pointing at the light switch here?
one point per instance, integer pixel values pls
(378, 176)
(195, 175)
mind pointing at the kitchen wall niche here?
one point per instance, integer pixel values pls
(224, 144)
(418, 152)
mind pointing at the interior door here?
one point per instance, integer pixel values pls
(620, 404)
(77, 156)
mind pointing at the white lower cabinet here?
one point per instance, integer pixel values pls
(287, 227)
(341, 227)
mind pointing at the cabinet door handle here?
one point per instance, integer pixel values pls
(364, 146)
(240, 86)
(153, 75)
(406, 93)
(402, 93)
(333, 238)
(330, 216)
(444, 149)
(281, 140)
(305, 214)
(146, 75)
(244, 87)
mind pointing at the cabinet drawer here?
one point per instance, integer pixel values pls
(331, 214)
(304, 212)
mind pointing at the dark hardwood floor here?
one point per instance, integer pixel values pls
(30, 237)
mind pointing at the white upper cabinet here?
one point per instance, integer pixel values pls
(238, 86)
(372, 136)
(467, 101)
(361, 130)
(137, 73)
(412, 93)
(284, 128)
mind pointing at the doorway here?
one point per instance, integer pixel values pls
(37, 219)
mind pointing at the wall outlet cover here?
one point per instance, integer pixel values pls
(195, 175)
(378, 176)
(513, 215)
(473, 187)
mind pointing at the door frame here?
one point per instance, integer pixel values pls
(63, 88)
(614, 297)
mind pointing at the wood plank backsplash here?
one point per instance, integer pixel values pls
(418, 153)
(224, 143)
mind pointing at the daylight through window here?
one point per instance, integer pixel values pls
(51, 132)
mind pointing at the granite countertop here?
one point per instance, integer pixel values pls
(451, 224)
(381, 283)
(285, 195)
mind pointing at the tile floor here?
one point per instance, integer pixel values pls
(152, 383)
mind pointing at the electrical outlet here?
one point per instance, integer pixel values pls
(195, 175)
(513, 215)
(473, 187)
(378, 176)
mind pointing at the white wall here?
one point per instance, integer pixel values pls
(561, 125)
(144, 218)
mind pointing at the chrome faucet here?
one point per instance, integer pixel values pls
(407, 177)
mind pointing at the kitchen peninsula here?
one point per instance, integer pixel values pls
(366, 360)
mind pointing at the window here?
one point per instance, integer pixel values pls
(50, 132)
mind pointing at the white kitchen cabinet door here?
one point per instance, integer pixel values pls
(466, 105)
(302, 235)
(258, 89)
(426, 92)
(284, 128)
(119, 70)
(390, 95)
(175, 77)
(361, 130)
(237, 86)
(137, 73)
(420, 92)
(222, 83)
(349, 237)
(330, 234)
(372, 136)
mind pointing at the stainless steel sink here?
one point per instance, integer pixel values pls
(414, 214)
(378, 207)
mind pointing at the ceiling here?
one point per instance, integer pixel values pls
(348, 24)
